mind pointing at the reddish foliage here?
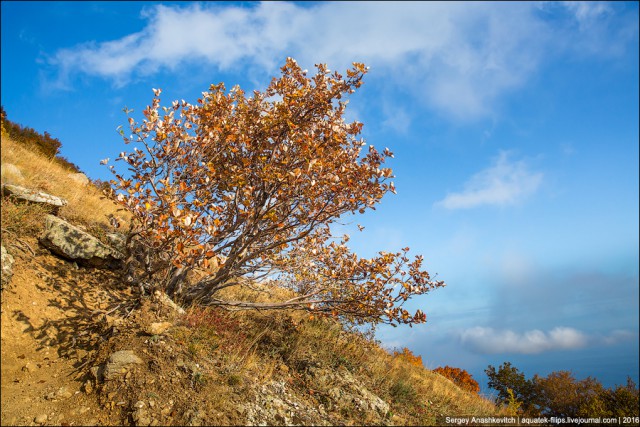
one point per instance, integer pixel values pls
(408, 355)
(460, 377)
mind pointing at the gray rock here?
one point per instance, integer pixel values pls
(118, 241)
(164, 299)
(64, 393)
(71, 243)
(119, 363)
(27, 195)
(80, 178)
(7, 267)
(10, 173)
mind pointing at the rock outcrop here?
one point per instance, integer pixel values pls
(10, 173)
(32, 196)
(120, 363)
(80, 178)
(72, 243)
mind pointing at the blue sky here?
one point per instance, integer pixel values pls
(514, 128)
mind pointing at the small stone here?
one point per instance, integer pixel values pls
(97, 372)
(64, 392)
(158, 328)
(41, 419)
(120, 362)
(28, 367)
(88, 387)
(7, 267)
(141, 417)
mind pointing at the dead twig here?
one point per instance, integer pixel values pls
(22, 242)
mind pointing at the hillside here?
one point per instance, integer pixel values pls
(79, 347)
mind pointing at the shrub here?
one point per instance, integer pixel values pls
(460, 377)
(408, 355)
(251, 185)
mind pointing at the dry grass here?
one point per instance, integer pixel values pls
(87, 206)
(256, 345)
(249, 347)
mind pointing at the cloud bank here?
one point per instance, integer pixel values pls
(459, 58)
(505, 182)
(490, 341)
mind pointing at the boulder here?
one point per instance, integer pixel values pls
(118, 241)
(71, 243)
(119, 363)
(10, 173)
(32, 196)
(7, 267)
(80, 178)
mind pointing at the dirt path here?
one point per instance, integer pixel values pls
(52, 321)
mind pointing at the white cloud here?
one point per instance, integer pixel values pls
(587, 14)
(459, 58)
(506, 182)
(490, 341)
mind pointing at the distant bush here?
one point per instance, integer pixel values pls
(408, 355)
(460, 377)
(44, 143)
(560, 394)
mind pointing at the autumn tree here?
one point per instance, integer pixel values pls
(563, 396)
(460, 377)
(247, 187)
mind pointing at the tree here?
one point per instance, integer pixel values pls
(460, 377)
(622, 401)
(561, 395)
(512, 384)
(248, 187)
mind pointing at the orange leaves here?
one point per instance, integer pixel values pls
(258, 180)
(408, 355)
(460, 377)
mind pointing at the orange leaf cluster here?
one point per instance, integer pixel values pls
(460, 377)
(408, 355)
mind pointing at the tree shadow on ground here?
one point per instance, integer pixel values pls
(88, 299)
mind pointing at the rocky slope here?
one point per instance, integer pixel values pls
(79, 347)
